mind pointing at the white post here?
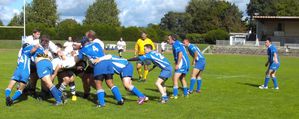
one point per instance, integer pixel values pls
(24, 19)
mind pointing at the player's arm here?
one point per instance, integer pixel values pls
(134, 59)
(136, 48)
(106, 57)
(275, 58)
(180, 56)
(34, 49)
(194, 58)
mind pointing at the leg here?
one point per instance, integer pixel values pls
(184, 84)
(9, 87)
(73, 88)
(160, 85)
(175, 84)
(198, 82)
(55, 92)
(86, 85)
(128, 85)
(114, 89)
(139, 70)
(267, 78)
(19, 92)
(145, 70)
(100, 92)
(194, 74)
(274, 79)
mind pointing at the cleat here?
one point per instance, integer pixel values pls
(164, 100)
(262, 87)
(174, 97)
(276, 88)
(121, 102)
(198, 91)
(74, 98)
(58, 104)
(8, 101)
(141, 100)
(100, 106)
(146, 99)
(190, 92)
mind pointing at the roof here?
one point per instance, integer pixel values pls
(276, 17)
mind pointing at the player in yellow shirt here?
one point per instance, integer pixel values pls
(139, 50)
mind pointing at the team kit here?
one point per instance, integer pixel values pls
(40, 58)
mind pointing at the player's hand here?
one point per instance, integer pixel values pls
(176, 67)
(96, 61)
(73, 53)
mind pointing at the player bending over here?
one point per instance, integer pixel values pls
(102, 71)
(181, 65)
(125, 70)
(272, 63)
(198, 62)
(163, 63)
(21, 74)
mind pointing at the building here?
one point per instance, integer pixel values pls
(283, 29)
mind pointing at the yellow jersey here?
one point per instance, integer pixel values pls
(139, 46)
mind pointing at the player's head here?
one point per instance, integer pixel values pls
(186, 41)
(70, 39)
(77, 44)
(36, 34)
(268, 42)
(44, 41)
(91, 35)
(143, 35)
(172, 38)
(148, 48)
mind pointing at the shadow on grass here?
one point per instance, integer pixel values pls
(248, 84)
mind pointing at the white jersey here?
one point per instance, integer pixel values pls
(68, 47)
(68, 62)
(100, 42)
(163, 45)
(121, 45)
(30, 40)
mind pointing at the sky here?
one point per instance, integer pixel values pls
(132, 12)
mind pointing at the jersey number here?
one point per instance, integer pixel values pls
(95, 49)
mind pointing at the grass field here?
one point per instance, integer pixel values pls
(229, 91)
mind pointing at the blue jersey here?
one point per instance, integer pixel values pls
(118, 63)
(271, 51)
(39, 51)
(178, 47)
(157, 59)
(92, 51)
(24, 59)
(194, 49)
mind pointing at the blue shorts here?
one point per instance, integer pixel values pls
(44, 68)
(200, 65)
(183, 70)
(127, 71)
(103, 67)
(21, 73)
(165, 74)
(274, 66)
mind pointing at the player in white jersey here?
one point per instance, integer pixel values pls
(121, 46)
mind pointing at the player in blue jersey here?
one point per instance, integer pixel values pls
(181, 65)
(160, 61)
(272, 63)
(44, 70)
(21, 74)
(198, 62)
(102, 70)
(125, 70)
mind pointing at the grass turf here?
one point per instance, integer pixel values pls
(229, 90)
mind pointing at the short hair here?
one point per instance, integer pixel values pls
(91, 34)
(187, 39)
(173, 36)
(269, 39)
(143, 32)
(36, 30)
(148, 46)
(59, 45)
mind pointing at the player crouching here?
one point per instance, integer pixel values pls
(163, 63)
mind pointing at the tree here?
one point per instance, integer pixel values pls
(1, 23)
(68, 27)
(176, 22)
(102, 12)
(16, 21)
(42, 11)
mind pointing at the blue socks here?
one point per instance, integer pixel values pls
(185, 89)
(175, 91)
(116, 93)
(135, 91)
(266, 81)
(192, 83)
(101, 97)
(198, 84)
(17, 94)
(56, 94)
(7, 92)
(275, 82)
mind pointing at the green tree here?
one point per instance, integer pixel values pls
(68, 27)
(176, 22)
(102, 12)
(1, 23)
(42, 11)
(16, 20)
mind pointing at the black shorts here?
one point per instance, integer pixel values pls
(104, 77)
(79, 68)
(120, 50)
(66, 73)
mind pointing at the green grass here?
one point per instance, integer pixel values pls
(229, 91)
